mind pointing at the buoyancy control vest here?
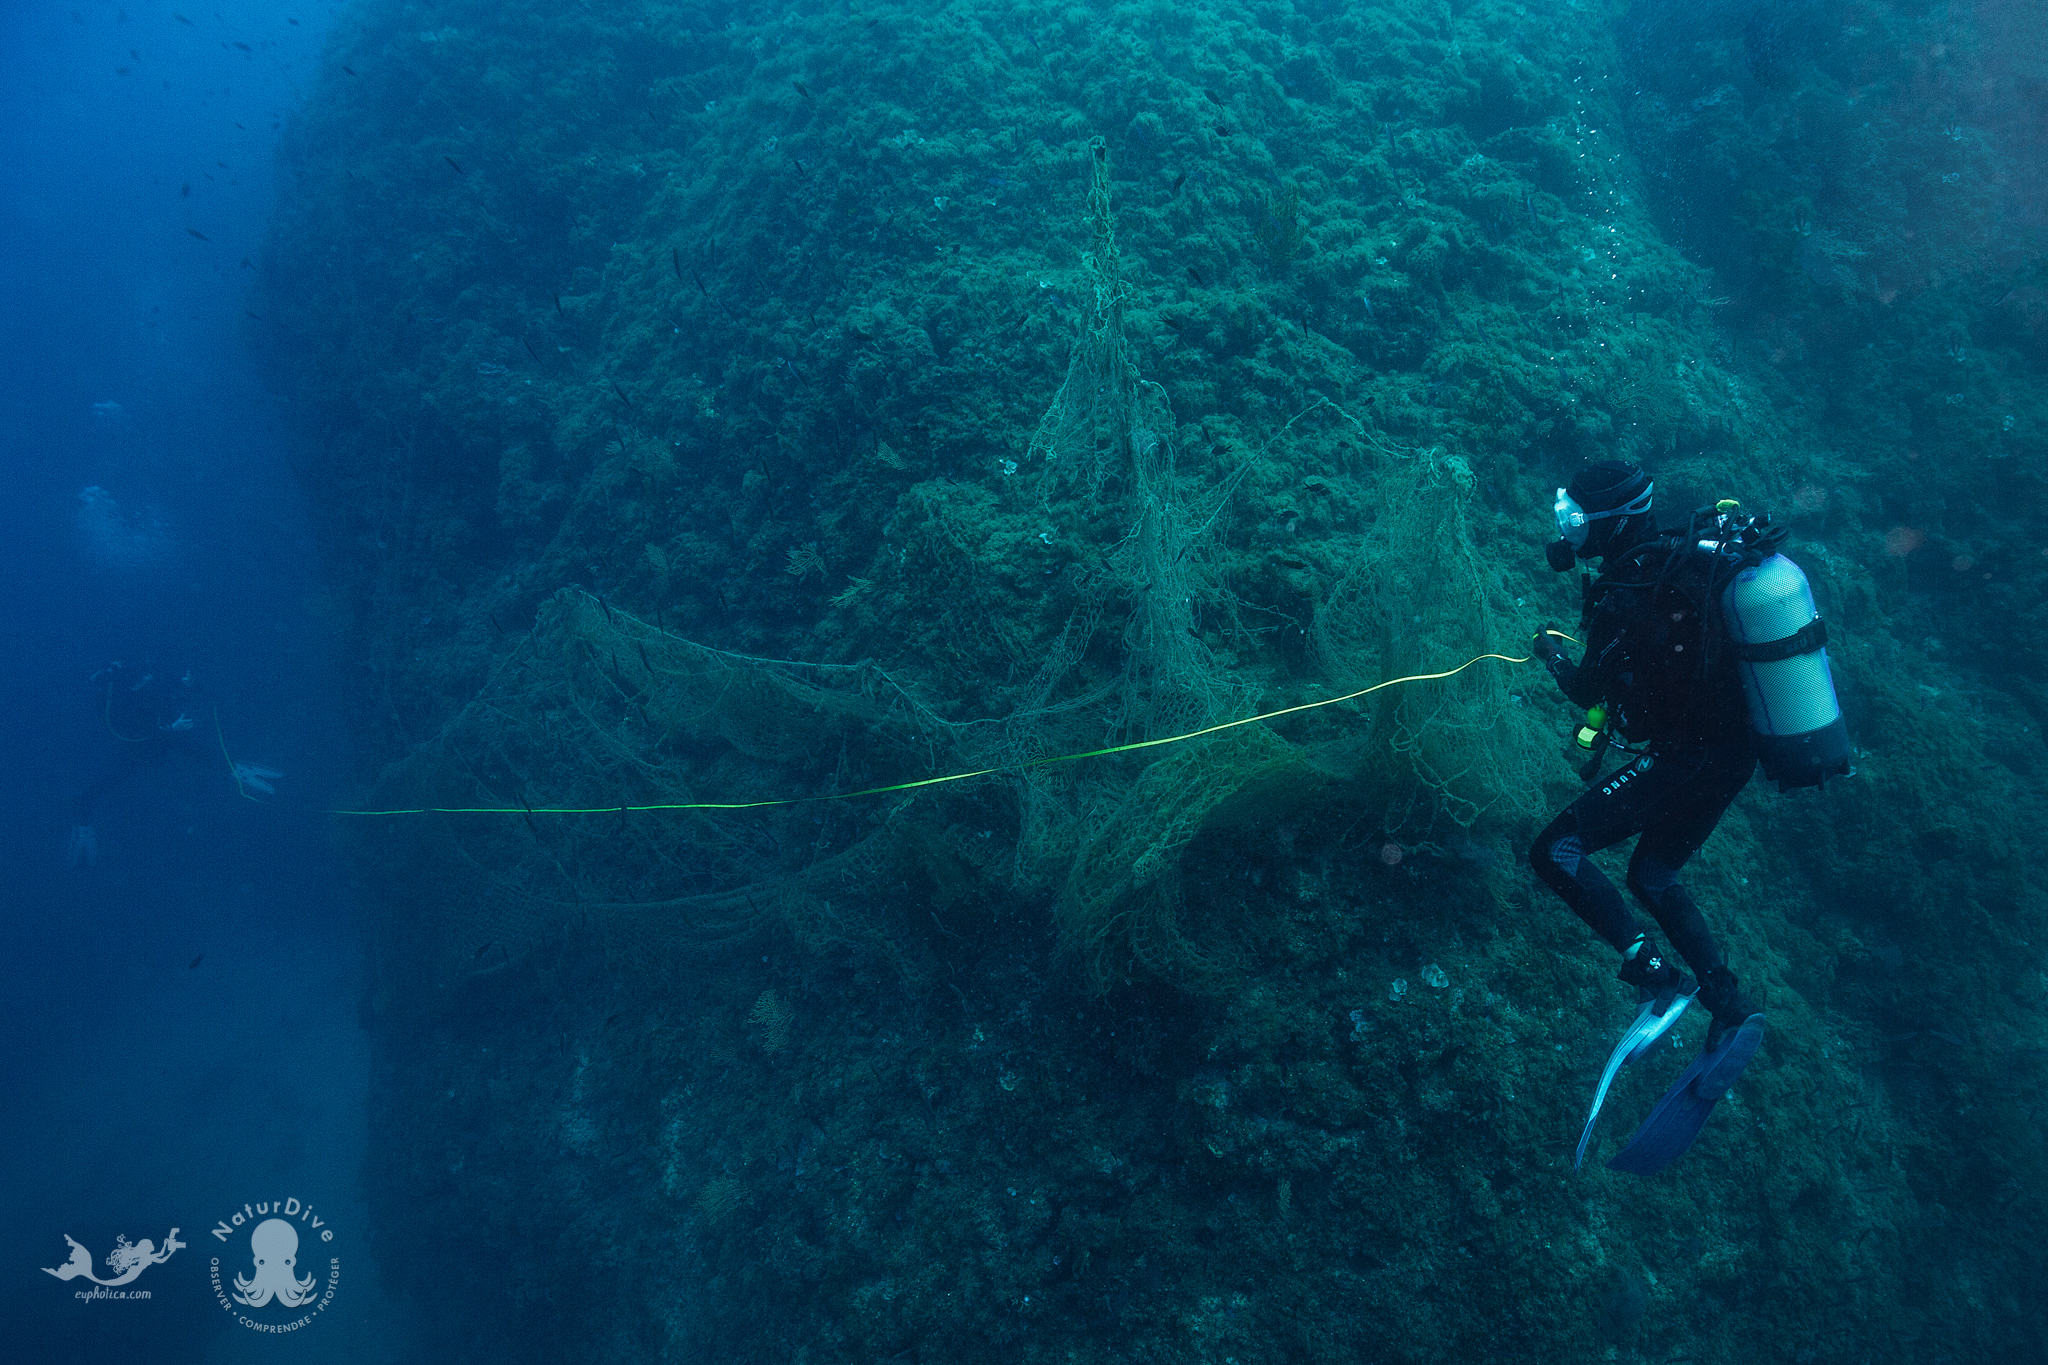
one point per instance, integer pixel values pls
(1665, 680)
(1720, 595)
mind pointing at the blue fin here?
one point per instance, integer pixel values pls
(1679, 1116)
(1636, 1039)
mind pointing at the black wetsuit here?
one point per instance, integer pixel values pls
(1651, 657)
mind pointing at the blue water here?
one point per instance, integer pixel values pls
(180, 1016)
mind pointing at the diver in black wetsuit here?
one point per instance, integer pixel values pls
(149, 719)
(1649, 659)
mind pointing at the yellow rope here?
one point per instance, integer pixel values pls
(922, 782)
(233, 771)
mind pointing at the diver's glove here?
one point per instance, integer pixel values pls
(1546, 649)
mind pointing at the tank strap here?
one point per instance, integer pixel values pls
(1805, 640)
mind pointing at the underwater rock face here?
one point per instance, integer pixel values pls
(742, 403)
(1624, 1300)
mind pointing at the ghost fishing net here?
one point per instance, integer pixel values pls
(597, 712)
(1103, 839)
(1418, 595)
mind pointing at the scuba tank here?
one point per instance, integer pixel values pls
(1780, 645)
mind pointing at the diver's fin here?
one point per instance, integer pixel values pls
(1679, 1116)
(1636, 1039)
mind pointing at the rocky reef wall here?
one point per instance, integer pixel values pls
(723, 404)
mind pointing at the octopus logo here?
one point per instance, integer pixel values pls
(275, 1244)
(273, 1279)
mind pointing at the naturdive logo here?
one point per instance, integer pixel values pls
(266, 1281)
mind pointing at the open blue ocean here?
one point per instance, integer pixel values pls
(182, 1009)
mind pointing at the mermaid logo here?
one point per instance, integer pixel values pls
(271, 1276)
(127, 1260)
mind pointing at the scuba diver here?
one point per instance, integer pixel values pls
(150, 720)
(1660, 668)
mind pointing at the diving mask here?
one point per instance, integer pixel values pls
(1575, 523)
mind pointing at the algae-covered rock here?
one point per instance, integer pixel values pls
(716, 412)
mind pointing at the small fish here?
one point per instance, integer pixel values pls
(182, 19)
(1222, 131)
(675, 258)
(558, 305)
(643, 656)
(185, 189)
(245, 47)
(804, 92)
(529, 350)
(700, 283)
(1195, 275)
(1178, 181)
(195, 232)
(451, 161)
(1213, 99)
(258, 316)
(351, 70)
(248, 264)
(195, 962)
(482, 949)
(629, 403)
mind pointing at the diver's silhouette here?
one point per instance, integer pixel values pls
(148, 719)
(145, 719)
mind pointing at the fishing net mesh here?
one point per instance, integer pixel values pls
(1418, 599)
(598, 711)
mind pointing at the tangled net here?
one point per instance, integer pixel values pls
(1104, 841)
(1418, 593)
(598, 708)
